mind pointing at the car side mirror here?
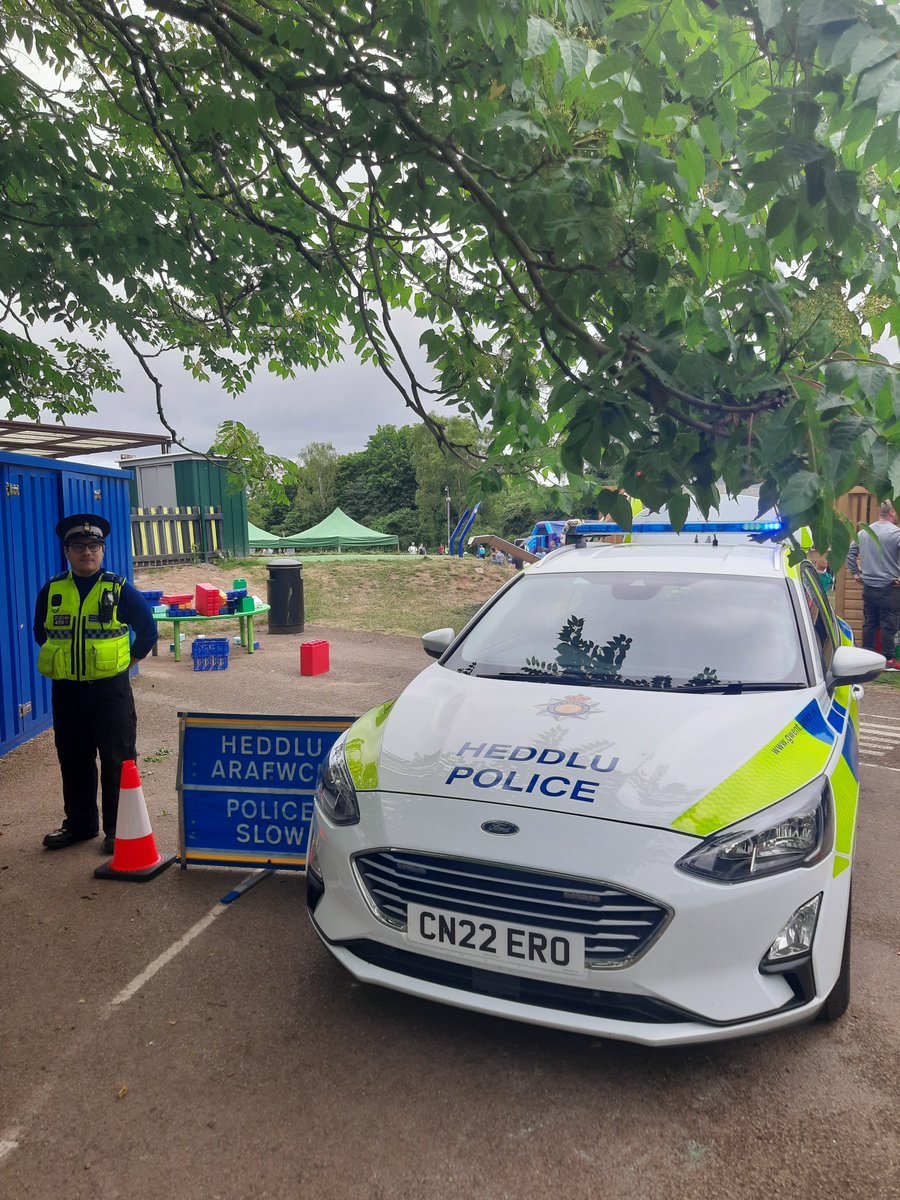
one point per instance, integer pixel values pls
(436, 642)
(853, 665)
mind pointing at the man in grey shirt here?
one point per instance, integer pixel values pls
(875, 562)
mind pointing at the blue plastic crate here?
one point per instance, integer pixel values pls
(152, 597)
(210, 654)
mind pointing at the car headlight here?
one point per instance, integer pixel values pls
(335, 793)
(796, 832)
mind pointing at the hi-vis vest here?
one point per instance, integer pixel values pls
(83, 640)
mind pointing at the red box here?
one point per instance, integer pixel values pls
(207, 600)
(313, 658)
(175, 601)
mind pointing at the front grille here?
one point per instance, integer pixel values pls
(613, 1006)
(616, 925)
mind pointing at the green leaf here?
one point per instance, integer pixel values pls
(691, 164)
(616, 505)
(573, 55)
(830, 401)
(869, 52)
(882, 141)
(781, 216)
(678, 508)
(800, 494)
(871, 379)
(770, 13)
(841, 190)
(889, 98)
(712, 138)
(874, 81)
(541, 36)
(572, 456)
(646, 266)
(823, 12)
(860, 124)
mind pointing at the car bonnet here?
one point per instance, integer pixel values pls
(690, 762)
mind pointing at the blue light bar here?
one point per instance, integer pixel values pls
(600, 527)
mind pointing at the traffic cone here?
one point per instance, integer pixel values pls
(135, 857)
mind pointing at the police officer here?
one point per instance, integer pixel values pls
(81, 623)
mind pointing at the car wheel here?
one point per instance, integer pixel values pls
(839, 996)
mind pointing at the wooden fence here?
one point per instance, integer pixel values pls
(862, 509)
(174, 535)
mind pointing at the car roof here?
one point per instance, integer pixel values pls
(760, 561)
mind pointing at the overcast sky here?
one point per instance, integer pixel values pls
(342, 404)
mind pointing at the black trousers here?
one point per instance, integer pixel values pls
(91, 720)
(881, 610)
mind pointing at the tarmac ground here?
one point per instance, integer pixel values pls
(155, 1042)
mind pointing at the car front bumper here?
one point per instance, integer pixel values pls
(697, 981)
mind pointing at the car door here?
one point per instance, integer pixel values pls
(841, 712)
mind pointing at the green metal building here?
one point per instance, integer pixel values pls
(189, 481)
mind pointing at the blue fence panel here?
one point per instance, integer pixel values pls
(34, 494)
(84, 490)
(31, 554)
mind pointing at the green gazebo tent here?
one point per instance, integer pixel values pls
(260, 540)
(339, 532)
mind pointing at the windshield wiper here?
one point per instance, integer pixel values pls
(732, 688)
(551, 677)
(735, 687)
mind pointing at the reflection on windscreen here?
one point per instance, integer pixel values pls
(660, 631)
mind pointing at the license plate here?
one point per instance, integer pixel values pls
(488, 940)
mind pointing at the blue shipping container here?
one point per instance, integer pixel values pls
(35, 494)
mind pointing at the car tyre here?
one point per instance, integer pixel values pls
(839, 997)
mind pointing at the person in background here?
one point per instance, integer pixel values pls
(411, 548)
(421, 547)
(875, 562)
(823, 570)
(83, 620)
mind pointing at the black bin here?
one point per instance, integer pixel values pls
(284, 594)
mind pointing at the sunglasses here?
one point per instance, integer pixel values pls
(84, 547)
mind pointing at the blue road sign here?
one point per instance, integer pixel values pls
(246, 785)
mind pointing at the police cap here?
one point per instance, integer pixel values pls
(82, 525)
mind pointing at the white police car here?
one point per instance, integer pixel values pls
(622, 802)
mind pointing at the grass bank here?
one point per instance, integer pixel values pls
(396, 593)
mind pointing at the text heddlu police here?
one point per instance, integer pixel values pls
(522, 779)
(258, 758)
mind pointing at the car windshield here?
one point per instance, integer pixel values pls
(665, 631)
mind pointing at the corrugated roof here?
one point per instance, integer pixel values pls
(65, 441)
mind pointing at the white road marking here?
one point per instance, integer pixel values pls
(879, 734)
(882, 767)
(10, 1137)
(166, 957)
